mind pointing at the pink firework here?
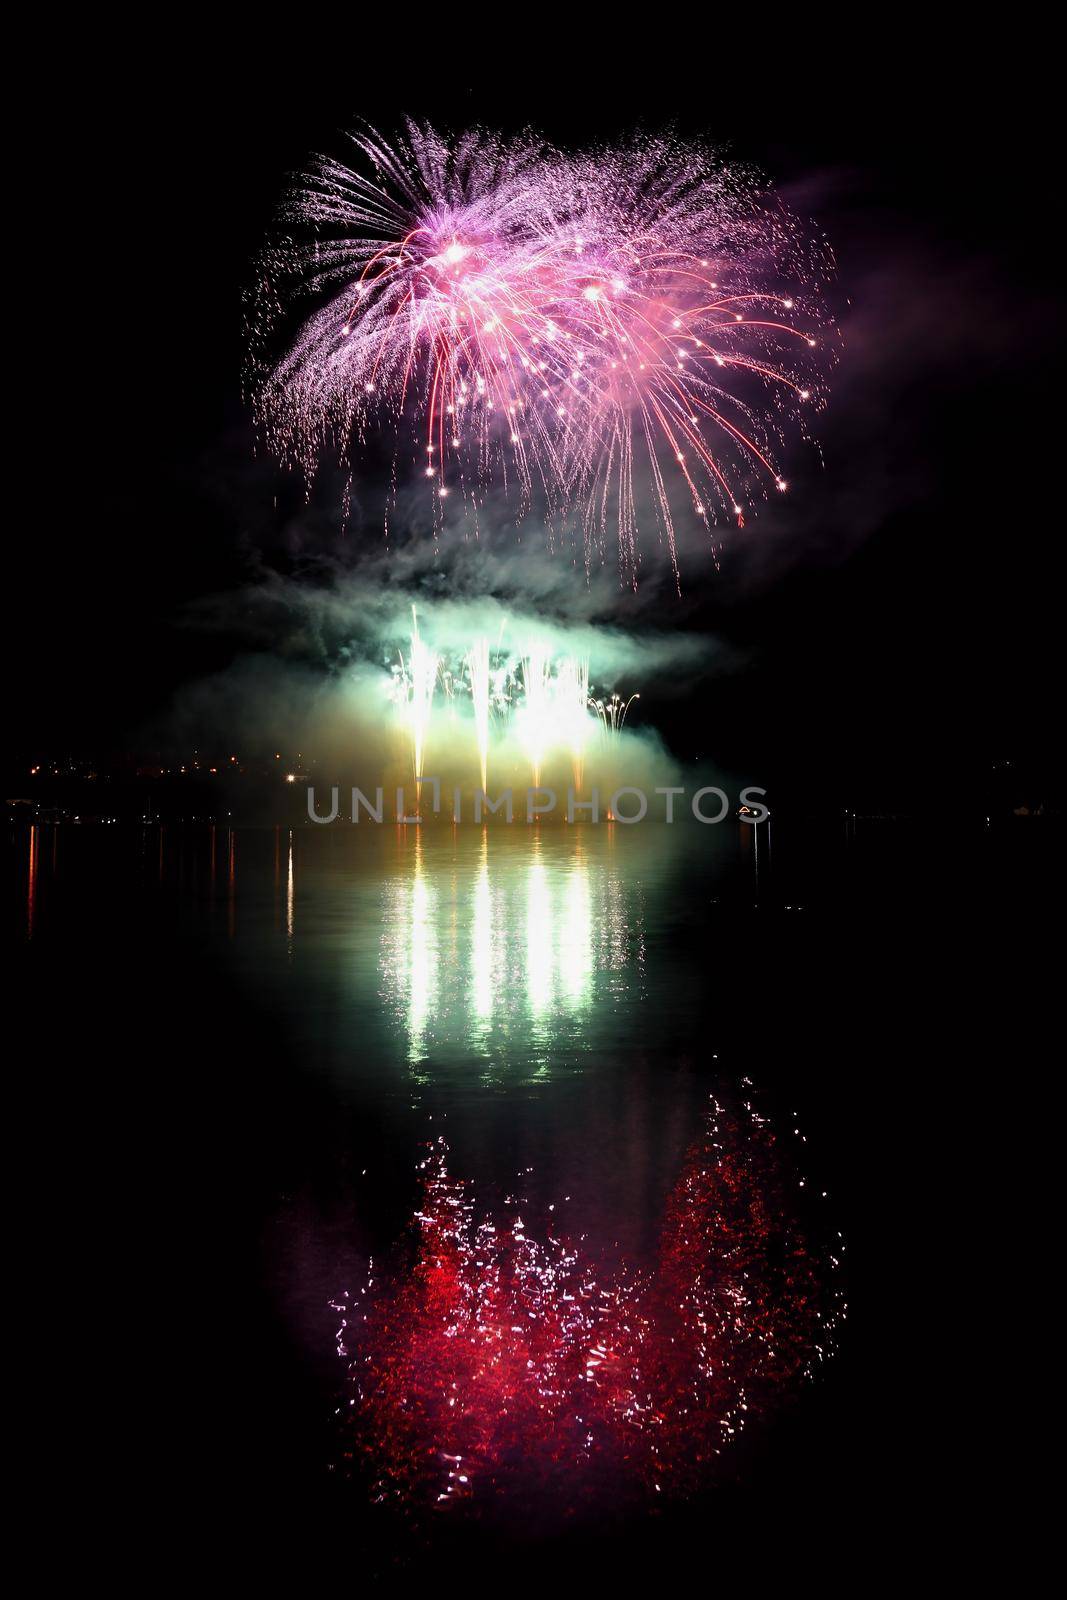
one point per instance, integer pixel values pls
(619, 336)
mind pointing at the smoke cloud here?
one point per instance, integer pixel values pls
(318, 670)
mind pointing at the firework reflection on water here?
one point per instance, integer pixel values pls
(499, 1364)
(481, 955)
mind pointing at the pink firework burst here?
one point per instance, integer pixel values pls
(625, 335)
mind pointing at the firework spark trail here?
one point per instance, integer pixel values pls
(496, 1366)
(572, 701)
(612, 713)
(543, 700)
(567, 328)
(535, 722)
(412, 689)
(478, 667)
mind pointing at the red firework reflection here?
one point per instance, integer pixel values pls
(497, 1368)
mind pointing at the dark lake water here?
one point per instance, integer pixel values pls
(242, 1041)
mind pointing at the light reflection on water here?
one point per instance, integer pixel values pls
(491, 947)
(395, 958)
(556, 999)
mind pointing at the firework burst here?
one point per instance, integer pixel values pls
(633, 327)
